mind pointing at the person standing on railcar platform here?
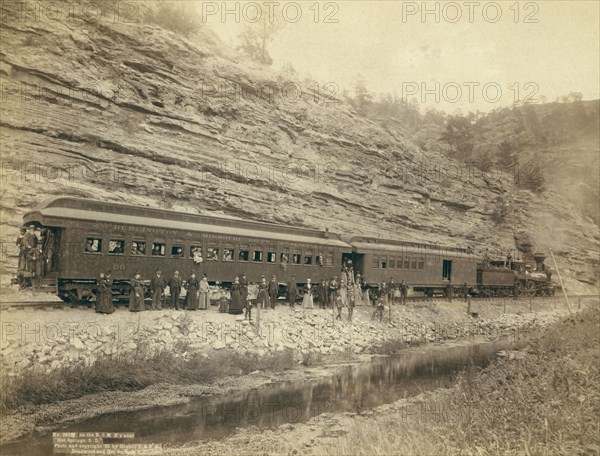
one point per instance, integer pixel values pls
(157, 286)
(136, 297)
(21, 263)
(30, 242)
(40, 264)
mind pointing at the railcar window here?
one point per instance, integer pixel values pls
(421, 264)
(93, 245)
(329, 259)
(244, 254)
(196, 253)
(212, 253)
(406, 263)
(384, 263)
(158, 249)
(116, 247)
(258, 256)
(296, 258)
(285, 258)
(392, 263)
(228, 254)
(138, 248)
(177, 251)
(320, 260)
(413, 263)
(271, 257)
(375, 264)
(308, 259)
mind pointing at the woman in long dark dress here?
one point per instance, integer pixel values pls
(236, 307)
(104, 303)
(191, 298)
(136, 297)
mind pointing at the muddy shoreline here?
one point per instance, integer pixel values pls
(47, 418)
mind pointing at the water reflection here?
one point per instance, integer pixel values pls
(353, 388)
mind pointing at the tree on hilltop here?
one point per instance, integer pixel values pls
(256, 37)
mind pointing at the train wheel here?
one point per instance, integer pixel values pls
(518, 289)
(530, 288)
(429, 293)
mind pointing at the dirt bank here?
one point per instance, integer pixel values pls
(443, 323)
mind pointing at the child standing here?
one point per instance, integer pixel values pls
(248, 314)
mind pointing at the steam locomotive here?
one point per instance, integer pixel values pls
(83, 237)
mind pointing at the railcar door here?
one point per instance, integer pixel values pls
(447, 269)
(358, 261)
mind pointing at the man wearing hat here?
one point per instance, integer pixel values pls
(175, 284)
(29, 238)
(273, 289)
(157, 286)
(292, 291)
(136, 297)
(30, 243)
(22, 257)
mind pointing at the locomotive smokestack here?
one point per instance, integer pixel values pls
(539, 261)
(326, 234)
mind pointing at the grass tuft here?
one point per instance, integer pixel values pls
(131, 372)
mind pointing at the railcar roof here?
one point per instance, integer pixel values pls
(99, 211)
(407, 247)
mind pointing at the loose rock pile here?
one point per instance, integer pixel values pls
(59, 343)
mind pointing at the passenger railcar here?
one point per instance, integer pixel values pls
(84, 237)
(91, 236)
(426, 268)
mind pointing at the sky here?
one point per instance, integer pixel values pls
(449, 56)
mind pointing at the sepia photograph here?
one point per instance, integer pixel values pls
(326, 228)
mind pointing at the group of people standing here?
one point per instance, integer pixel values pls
(197, 292)
(343, 293)
(36, 251)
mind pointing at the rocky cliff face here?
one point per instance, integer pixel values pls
(134, 113)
